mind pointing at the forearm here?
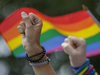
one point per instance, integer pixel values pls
(44, 69)
(85, 69)
(31, 30)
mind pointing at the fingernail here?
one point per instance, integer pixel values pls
(21, 22)
(23, 13)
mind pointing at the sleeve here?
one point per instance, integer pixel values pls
(85, 69)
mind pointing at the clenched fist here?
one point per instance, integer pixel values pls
(76, 49)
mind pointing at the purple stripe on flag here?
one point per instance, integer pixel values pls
(59, 48)
(93, 53)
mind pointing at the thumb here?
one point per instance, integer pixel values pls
(68, 49)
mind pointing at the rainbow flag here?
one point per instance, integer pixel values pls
(54, 31)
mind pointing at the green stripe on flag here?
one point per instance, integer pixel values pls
(18, 50)
(48, 35)
(93, 39)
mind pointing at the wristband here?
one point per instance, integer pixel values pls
(78, 69)
(30, 60)
(85, 69)
(40, 62)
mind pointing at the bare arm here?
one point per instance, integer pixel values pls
(31, 30)
(76, 49)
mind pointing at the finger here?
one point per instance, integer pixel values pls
(64, 45)
(83, 41)
(26, 19)
(68, 48)
(66, 40)
(20, 29)
(34, 19)
(22, 25)
(74, 41)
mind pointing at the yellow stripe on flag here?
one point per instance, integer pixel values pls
(85, 33)
(46, 26)
(14, 43)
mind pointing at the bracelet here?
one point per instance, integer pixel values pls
(78, 70)
(35, 55)
(28, 58)
(40, 62)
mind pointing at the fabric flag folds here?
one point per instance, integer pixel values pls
(54, 31)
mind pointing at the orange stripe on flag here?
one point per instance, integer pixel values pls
(76, 26)
(11, 33)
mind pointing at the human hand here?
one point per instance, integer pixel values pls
(76, 49)
(30, 30)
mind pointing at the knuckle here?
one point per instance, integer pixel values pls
(31, 13)
(65, 46)
(66, 39)
(38, 21)
(22, 26)
(70, 37)
(25, 18)
(20, 31)
(21, 22)
(18, 28)
(83, 40)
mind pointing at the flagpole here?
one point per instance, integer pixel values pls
(88, 11)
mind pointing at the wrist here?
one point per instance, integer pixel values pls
(77, 62)
(82, 69)
(37, 57)
(33, 49)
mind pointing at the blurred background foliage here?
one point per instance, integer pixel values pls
(9, 65)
